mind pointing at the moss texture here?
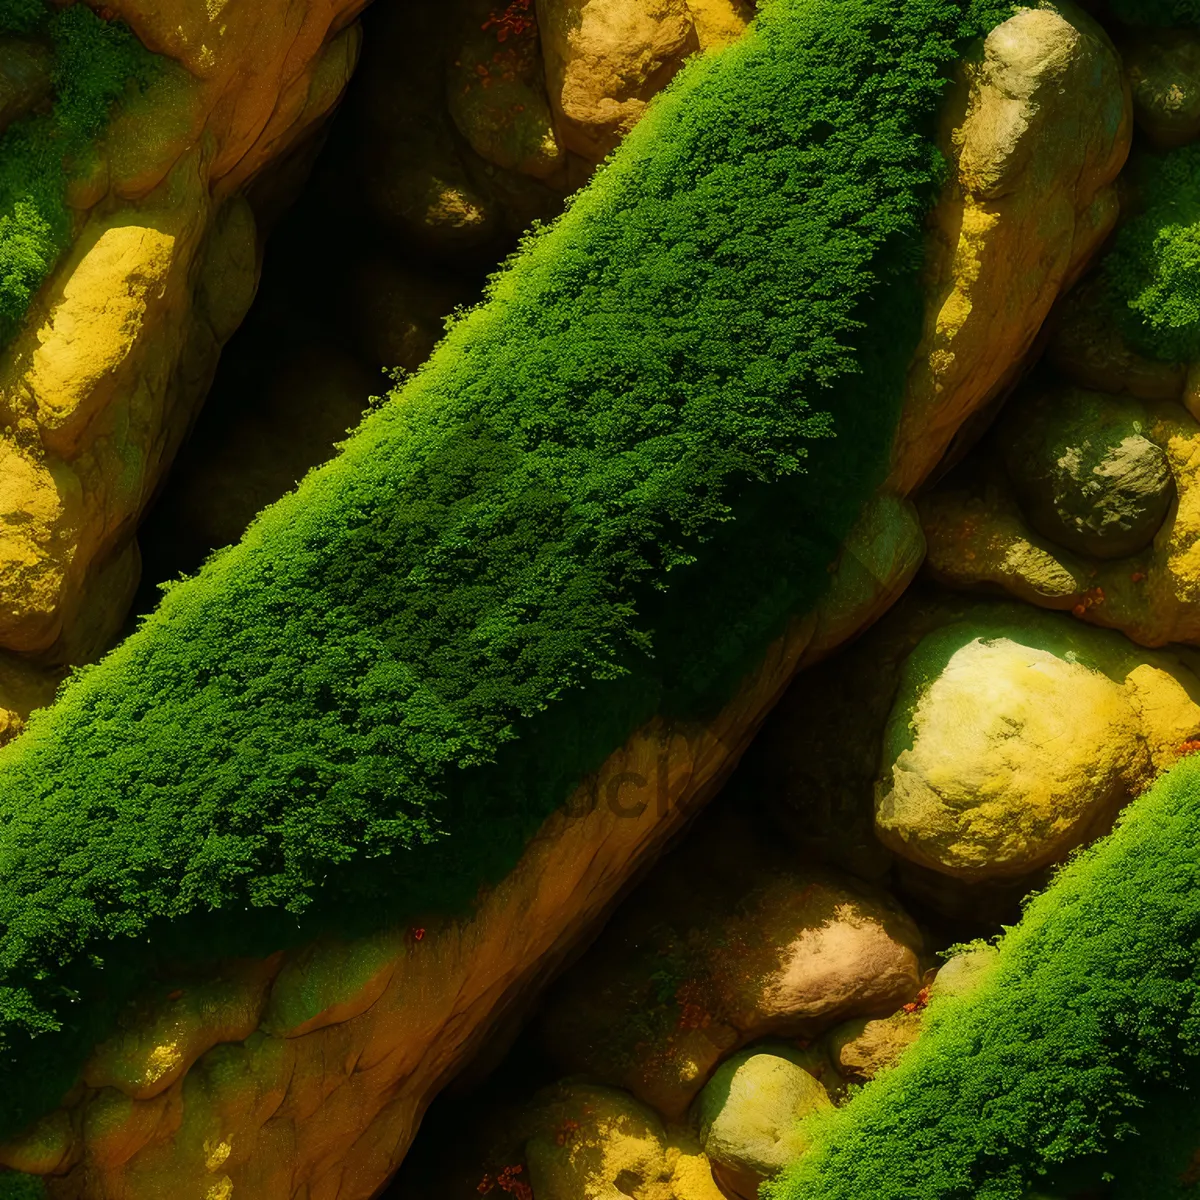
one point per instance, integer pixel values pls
(607, 491)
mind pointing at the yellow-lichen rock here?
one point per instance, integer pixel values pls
(605, 59)
(1036, 131)
(99, 386)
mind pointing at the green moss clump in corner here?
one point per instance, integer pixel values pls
(94, 62)
(1089, 1011)
(1153, 270)
(610, 487)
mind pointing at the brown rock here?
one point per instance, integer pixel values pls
(726, 944)
(861, 1049)
(605, 59)
(1164, 76)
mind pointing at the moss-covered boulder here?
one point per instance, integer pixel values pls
(1084, 471)
(748, 1113)
(1011, 742)
(1164, 76)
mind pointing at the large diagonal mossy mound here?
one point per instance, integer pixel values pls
(1083, 1029)
(608, 490)
(95, 62)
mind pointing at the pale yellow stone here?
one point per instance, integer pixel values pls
(1015, 754)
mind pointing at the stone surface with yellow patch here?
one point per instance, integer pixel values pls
(979, 537)
(1036, 129)
(98, 387)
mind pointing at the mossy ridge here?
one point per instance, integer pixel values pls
(592, 504)
(1152, 272)
(95, 61)
(1088, 1009)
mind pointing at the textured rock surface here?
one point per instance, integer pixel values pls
(1014, 755)
(120, 345)
(1036, 131)
(1164, 76)
(1084, 471)
(747, 1116)
(727, 943)
(861, 1049)
(605, 59)
(979, 537)
(324, 1101)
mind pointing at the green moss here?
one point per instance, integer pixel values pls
(1088, 1011)
(1153, 269)
(15, 1186)
(612, 485)
(95, 62)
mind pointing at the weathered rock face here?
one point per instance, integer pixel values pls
(728, 943)
(1036, 133)
(1164, 76)
(120, 345)
(315, 1083)
(747, 1116)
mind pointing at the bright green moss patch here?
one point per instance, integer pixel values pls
(1090, 1007)
(610, 487)
(94, 62)
(1153, 269)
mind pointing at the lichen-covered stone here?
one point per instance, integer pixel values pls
(1012, 742)
(748, 1114)
(496, 88)
(1084, 471)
